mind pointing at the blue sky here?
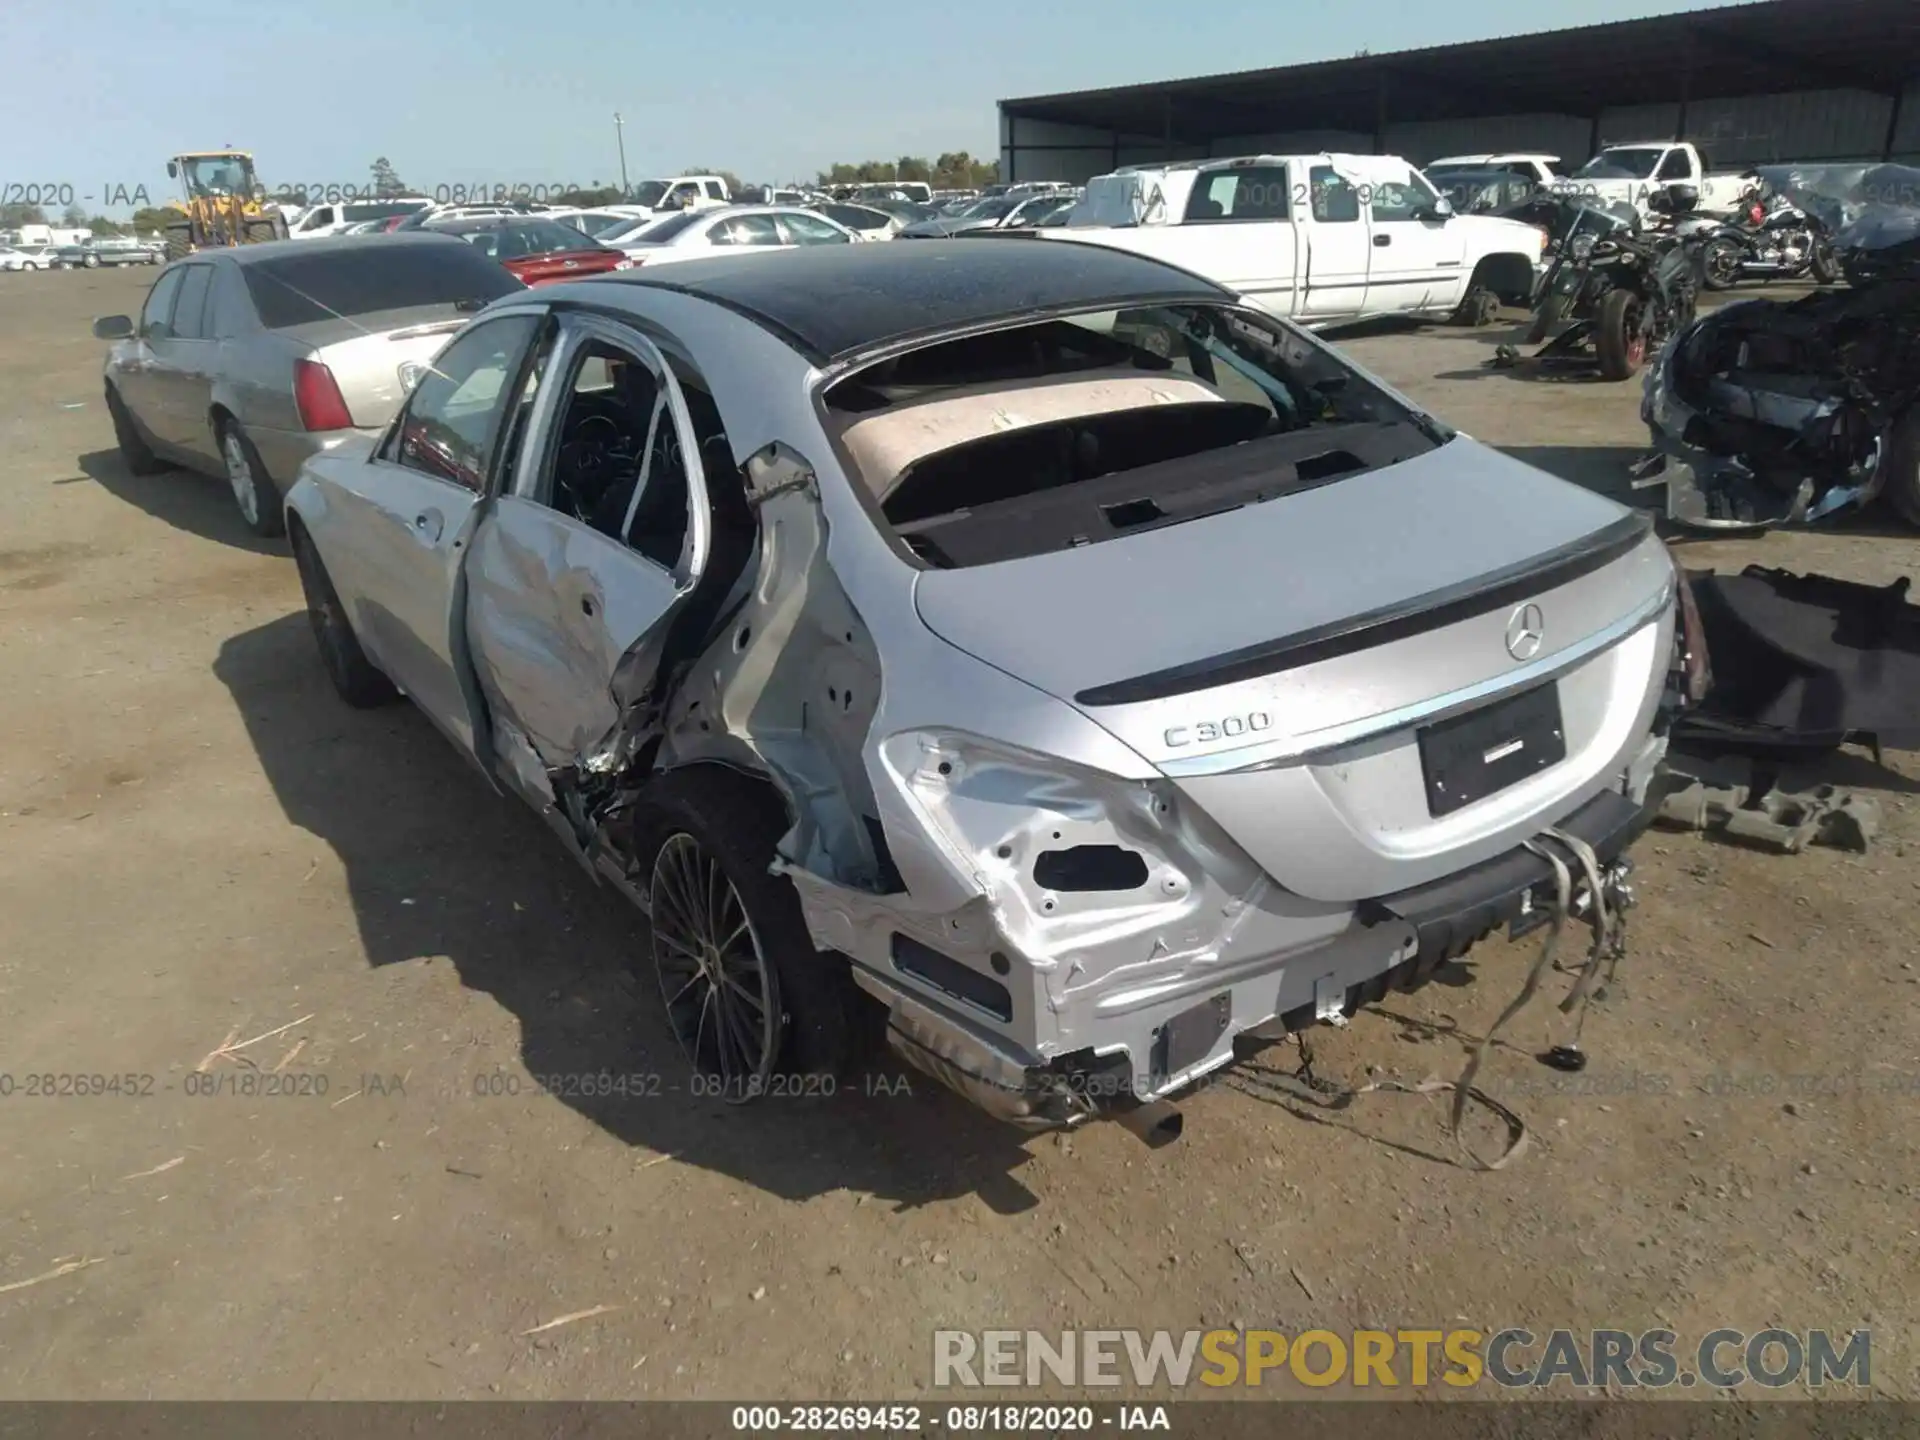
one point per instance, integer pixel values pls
(98, 93)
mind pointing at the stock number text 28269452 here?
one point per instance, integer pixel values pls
(474, 193)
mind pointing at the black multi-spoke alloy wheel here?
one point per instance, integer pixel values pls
(755, 1007)
(722, 998)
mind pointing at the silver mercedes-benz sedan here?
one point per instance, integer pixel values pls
(1032, 644)
(244, 362)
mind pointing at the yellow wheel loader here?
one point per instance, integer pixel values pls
(225, 203)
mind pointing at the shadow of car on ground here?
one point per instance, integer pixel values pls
(185, 499)
(438, 864)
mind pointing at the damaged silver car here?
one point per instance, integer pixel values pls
(1768, 414)
(1033, 646)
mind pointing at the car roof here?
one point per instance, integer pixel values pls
(833, 301)
(713, 212)
(336, 245)
(467, 224)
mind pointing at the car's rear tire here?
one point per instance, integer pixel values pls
(254, 494)
(134, 450)
(791, 1010)
(357, 679)
(1902, 488)
(1618, 337)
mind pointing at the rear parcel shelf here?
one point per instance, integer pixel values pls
(1167, 492)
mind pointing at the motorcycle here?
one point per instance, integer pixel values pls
(1770, 239)
(1625, 291)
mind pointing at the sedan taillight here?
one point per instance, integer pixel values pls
(316, 394)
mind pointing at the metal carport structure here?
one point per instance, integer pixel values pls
(1780, 79)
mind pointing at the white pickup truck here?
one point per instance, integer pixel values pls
(1319, 239)
(680, 192)
(1542, 170)
(1630, 173)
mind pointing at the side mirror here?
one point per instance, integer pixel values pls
(1440, 209)
(173, 170)
(113, 327)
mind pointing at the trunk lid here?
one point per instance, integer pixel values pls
(1280, 662)
(563, 265)
(372, 356)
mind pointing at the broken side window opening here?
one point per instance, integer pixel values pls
(765, 669)
(1069, 432)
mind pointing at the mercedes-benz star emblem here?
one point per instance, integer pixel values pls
(1526, 628)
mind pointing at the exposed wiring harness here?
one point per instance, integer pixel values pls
(1562, 851)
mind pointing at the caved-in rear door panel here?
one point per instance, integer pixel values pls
(552, 606)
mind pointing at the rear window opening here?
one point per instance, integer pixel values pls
(324, 283)
(1070, 432)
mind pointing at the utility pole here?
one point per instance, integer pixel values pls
(620, 138)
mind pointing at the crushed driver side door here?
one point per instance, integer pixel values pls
(579, 566)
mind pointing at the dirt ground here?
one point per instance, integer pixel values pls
(200, 846)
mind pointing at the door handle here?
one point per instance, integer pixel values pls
(1383, 240)
(427, 525)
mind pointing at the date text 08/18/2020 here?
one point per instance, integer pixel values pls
(121, 195)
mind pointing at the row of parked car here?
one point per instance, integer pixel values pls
(731, 573)
(540, 244)
(82, 255)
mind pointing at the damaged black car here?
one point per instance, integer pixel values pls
(1766, 414)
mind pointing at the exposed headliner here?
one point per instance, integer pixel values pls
(831, 301)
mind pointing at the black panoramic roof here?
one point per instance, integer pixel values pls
(831, 301)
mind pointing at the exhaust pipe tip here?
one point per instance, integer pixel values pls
(1154, 1123)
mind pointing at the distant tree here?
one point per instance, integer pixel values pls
(12, 217)
(155, 217)
(101, 225)
(588, 199)
(953, 170)
(73, 217)
(957, 170)
(386, 180)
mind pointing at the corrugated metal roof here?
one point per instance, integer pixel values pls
(1759, 47)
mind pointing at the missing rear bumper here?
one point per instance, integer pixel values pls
(1450, 916)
